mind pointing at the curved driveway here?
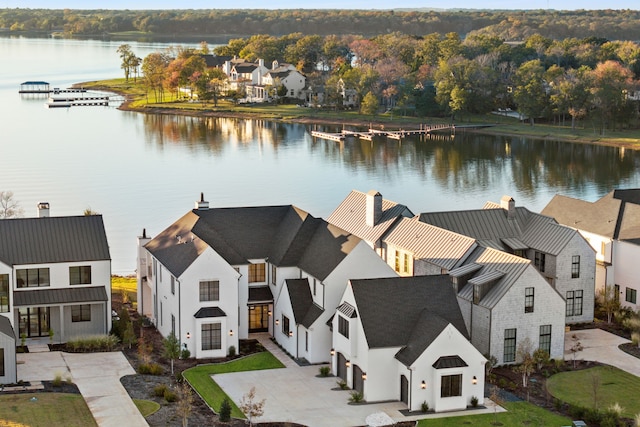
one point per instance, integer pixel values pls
(601, 346)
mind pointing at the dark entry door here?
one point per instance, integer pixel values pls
(259, 318)
(358, 382)
(404, 390)
(342, 367)
(34, 322)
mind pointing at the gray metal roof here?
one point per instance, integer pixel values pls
(350, 215)
(41, 296)
(406, 312)
(53, 239)
(209, 312)
(285, 235)
(427, 242)
(615, 215)
(449, 362)
(493, 228)
(6, 328)
(489, 276)
(260, 294)
(496, 265)
(464, 270)
(305, 311)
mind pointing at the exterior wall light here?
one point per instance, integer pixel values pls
(269, 313)
(347, 364)
(230, 332)
(423, 385)
(332, 352)
(474, 380)
(277, 322)
(364, 376)
(290, 333)
(188, 335)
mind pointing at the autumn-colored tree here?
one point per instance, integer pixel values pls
(251, 407)
(611, 81)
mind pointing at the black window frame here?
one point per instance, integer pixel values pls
(80, 275)
(451, 385)
(509, 350)
(574, 303)
(211, 336)
(2, 369)
(343, 326)
(575, 267)
(285, 325)
(209, 291)
(5, 293)
(545, 338)
(41, 275)
(173, 285)
(81, 313)
(529, 299)
(257, 272)
(631, 295)
(539, 260)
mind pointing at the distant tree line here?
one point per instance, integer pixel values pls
(569, 81)
(506, 25)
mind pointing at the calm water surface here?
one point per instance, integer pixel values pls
(144, 171)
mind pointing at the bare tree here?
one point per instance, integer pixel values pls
(575, 348)
(527, 364)
(185, 402)
(9, 207)
(250, 407)
(609, 300)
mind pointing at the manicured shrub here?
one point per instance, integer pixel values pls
(185, 353)
(342, 384)
(324, 371)
(356, 397)
(225, 410)
(232, 351)
(474, 401)
(424, 406)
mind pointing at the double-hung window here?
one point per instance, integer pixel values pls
(529, 299)
(451, 385)
(80, 275)
(209, 290)
(575, 266)
(211, 336)
(509, 354)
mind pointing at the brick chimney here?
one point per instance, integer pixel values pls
(508, 204)
(374, 208)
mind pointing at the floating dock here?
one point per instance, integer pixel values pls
(391, 134)
(74, 101)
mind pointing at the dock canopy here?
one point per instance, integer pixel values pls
(34, 87)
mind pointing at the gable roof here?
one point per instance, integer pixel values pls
(436, 245)
(53, 239)
(350, 215)
(286, 235)
(215, 61)
(6, 328)
(616, 215)
(501, 268)
(305, 311)
(492, 227)
(414, 312)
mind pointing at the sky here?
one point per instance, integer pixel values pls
(322, 4)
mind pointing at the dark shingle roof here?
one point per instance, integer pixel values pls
(53, 239)
(449, 362)
(260, 294)
(59, 296)
(305, 311)
(213, 61)
(615, 215)
(285, 235)
(207, 312)
(6, 329)
(407, 312)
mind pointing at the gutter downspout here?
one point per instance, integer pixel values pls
(179, 313)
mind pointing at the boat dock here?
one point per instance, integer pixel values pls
(391, 134)
(75, 101)
(39, 87)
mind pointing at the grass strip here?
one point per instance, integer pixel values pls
(599, 387)
(146, 407)
(200, 377)
(45, 410)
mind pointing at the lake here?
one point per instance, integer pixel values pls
(145, 171)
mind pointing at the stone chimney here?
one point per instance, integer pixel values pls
(202, 204)
(508, 204)
(374, 208)
(43, 210)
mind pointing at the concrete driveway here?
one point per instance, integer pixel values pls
(601, 346)
(297, 394)
(97, 376)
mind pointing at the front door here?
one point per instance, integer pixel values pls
(342, 367)
(404, 389)
(34, 322)
(259, 318)
(358, 381)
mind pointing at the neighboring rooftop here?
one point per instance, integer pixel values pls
(616, 215)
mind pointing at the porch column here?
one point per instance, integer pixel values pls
(61, 337)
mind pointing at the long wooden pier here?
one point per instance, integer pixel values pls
(372, 133)
(78, 101)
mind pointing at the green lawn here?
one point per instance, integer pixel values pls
(146, 407)
(200, 377)
(518, 414)
(612, 385)
(50, 409)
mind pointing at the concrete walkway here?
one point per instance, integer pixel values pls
(601, 346)
(97, 376)
(297, 394)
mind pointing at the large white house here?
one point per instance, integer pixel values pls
(611, 225)
(216, 275)
(55, 275)
(413, 347)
